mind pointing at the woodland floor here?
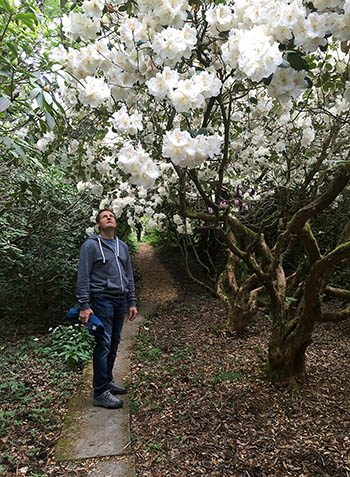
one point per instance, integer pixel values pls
(201, 405)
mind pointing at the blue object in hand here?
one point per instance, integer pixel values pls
(95, 325)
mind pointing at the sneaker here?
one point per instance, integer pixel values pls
(114, 389)
(106, 399)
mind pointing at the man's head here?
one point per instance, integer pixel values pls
(105, 219)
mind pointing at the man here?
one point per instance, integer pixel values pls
(105, 279)
(138, 231)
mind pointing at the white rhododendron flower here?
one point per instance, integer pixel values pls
(309, 32)
(324, 4)
(220, 17)
(138, 164)
(259, 54)
(93, 8)
(172, 44)
(287, 83)
(95, 91)
(78, 25)
(186, 151)
(192, 71)
(133, 30)
(125, 123)
(94, 187)
(90, 230)
(177, 219)
(185, 228)
(103, 168)
(308, 136)
(230, 49)
(187, 96)
(163, 83)
(73, 146)
(43, 143)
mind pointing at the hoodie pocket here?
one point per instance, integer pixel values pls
(113, 283)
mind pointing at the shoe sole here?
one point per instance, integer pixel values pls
(115, 392)
(98, 404)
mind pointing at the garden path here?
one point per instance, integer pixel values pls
(101, 437)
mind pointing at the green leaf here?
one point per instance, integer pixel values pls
(4, 4)
(204, 131)
(29, 19)
(8, 142)
(267, 80)
(289, 300)
(40, 99)
(5, 73)
(296, 61)
(5, 103)
(141, 42)
(284, 64)
(34, 92)
(47, 97)
(253, 100)
(20, 151)
(309, 81)
(224, 34)
(59, 109)
(50, 120)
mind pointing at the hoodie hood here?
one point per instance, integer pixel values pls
(101, 240)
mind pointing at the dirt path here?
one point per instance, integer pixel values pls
(157, 285)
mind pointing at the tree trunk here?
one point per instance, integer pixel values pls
(240, 302)
(286, 359)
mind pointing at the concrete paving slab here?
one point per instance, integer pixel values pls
(95, 431)
(124, 466)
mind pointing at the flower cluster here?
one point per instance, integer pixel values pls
(254, 51)
(184, 94)
(187, 151)
(78, 25)
(138, 164)
(43, 143)
(165, 12)
(172, 44)
(94, 91)
(126, 123)
(183, 226)
(287, 83)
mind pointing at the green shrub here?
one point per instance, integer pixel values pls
(42, 225)
(72, 344)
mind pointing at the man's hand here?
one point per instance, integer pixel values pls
(132, 313)
(84, 315)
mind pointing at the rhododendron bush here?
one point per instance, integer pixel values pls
(234, 117)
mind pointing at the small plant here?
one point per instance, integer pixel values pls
(73, 344)
(226, 376)
(152, 354)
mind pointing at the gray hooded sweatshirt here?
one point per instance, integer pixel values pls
(104, 272)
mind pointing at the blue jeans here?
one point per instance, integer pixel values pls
(112, 313)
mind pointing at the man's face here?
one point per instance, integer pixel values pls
(107, 220)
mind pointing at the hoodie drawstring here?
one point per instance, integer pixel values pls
(103, 255)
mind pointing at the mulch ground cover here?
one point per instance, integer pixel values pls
(202, 405)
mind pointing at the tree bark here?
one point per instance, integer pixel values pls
(240, 301)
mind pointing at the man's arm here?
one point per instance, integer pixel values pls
(131, 294)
